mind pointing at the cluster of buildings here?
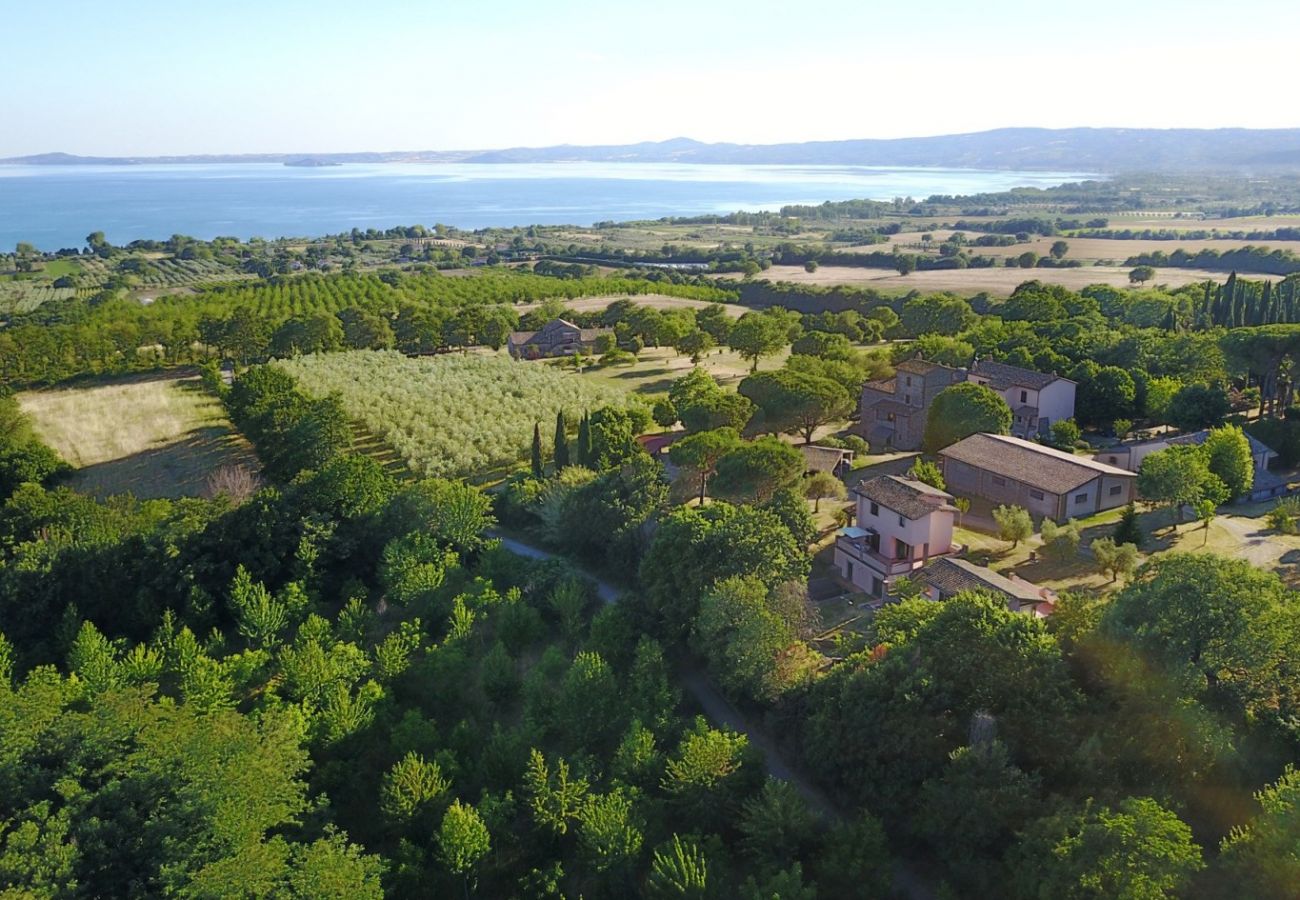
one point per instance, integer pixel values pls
(557, 337)
(894, 410)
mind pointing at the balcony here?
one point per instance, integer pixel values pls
(856, 543)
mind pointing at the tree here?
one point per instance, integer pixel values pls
(1129, 530)
(823, 486)
(1138, 849)
(1219, 627)
(1179, 476)
(759, 334)
(927, 472)
(678, 872)
(1228, 456)
(1014, 524)
(664, 414)
(776, 824)
(944, 314)
(695, 344)
(561, 442)
(1205, 510)
(1027, 260)
(1259, 859)
(1198, 406)
(612, 432)
(410, 785)
(962, 504)
(854, 861)
(796, 402)
(962, 410)
(1059, 249)
(700, 452)
(1114, 559)
(905, 263)
(703, 405)
(810, 266)
(1106, 396)
(463, 840)
(1141, 274)
(1065, 434)
(743, 639)
(1061, 542)
(537, 450)
(756, 470)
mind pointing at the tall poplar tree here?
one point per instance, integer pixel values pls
(537, 450)
(561, 442)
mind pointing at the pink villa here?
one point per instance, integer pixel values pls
(902, 524)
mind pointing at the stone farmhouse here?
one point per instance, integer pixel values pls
(1036, 399)
(558, 337)
(948, 576)
(893, 411)
(1049, 483)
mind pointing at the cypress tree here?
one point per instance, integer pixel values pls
(584, 440)
(1129, 531)
(537, 450)
(561, 442)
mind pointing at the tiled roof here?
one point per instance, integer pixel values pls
(897, 407)
(910, 499)
(1002, 376)
(921, 367)
(823, 459)
(951, 576)
(1045, 468)
(884, 385)
(521, 337)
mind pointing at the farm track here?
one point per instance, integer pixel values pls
(366, 443)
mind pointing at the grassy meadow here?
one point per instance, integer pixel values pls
(149, 436)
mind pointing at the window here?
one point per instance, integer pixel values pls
(902, 523)
(902, 550)
(1117, 490)
(875, 508)
(907, 398)
(1024, 396)
(1080, 498)
(1036, 495)
(999, 481)
(1112, 459)
(909, 380)
(848, 571)
(877, 587)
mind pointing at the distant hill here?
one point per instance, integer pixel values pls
(1080, 149)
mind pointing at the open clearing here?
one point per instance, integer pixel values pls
(1086, 249)
(656, 301)
(997, 281)
(150, 436)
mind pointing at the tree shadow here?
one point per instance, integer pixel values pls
(179, 468)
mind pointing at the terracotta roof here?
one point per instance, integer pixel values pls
(1002, 376)
(884, 385)
(824, 459)
(521, 337)
(921, 367)
(950, 576)
(1033, 464)
(909, 498)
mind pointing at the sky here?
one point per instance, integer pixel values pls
(138, 77)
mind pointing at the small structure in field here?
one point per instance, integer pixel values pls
(835, 460)
(557, 337)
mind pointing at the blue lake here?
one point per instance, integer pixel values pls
(57, 206)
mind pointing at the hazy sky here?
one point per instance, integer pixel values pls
(135, 77)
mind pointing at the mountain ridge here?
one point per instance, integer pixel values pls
(1084, 149)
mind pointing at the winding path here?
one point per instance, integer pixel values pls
(908, 880)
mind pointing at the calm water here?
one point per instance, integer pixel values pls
(57, 206)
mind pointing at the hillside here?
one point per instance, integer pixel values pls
(1093, 149)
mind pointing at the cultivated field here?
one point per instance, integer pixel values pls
(457, 414)
(151, 436)
(657, 301)
(998, 281)
(1085, 249)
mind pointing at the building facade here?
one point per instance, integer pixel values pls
(1036, 399)
(556, 338)
(902, 524)
(1048, 483)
